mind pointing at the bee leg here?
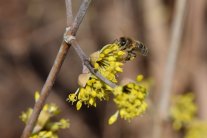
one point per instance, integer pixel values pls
(144, 52)
(131, 56)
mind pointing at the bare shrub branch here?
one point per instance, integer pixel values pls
(166, 88)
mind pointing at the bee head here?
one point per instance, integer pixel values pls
(124, 42)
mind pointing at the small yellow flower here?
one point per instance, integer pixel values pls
(25, 115)
(140, 78)
(72, 97)
(55, 126)
(51, 109)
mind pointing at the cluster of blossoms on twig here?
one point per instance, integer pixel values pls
(183, 110)
(129, 98)
(183, 113)
(45, 128)
(130, 102)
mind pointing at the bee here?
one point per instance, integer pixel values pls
(132, 47)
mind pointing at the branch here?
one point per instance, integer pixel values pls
(166, 89)
(56, 66)
(177, 31)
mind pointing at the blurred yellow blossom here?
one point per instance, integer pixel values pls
(196, 129)
(139, 78)
(45, 134)
(183, 110)
(45, 128)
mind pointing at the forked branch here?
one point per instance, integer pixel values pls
(56, 66)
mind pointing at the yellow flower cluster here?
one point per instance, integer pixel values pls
(183, 110)
(44, 127)
(94, 89)
(183, 114)
(196, 129)
(109, 61)
(129, 100)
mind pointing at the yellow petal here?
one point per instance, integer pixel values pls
(36, 96)
(78, 105)
(113, 118)
(140, 78)
(118, 69)
(96, 65)
(91, 101)
(121, 53)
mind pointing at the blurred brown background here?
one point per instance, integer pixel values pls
(30, 35)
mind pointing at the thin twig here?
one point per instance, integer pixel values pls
(86, 62)
(81, 13)
(166, 89)
(69, 12)
(55, 69)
